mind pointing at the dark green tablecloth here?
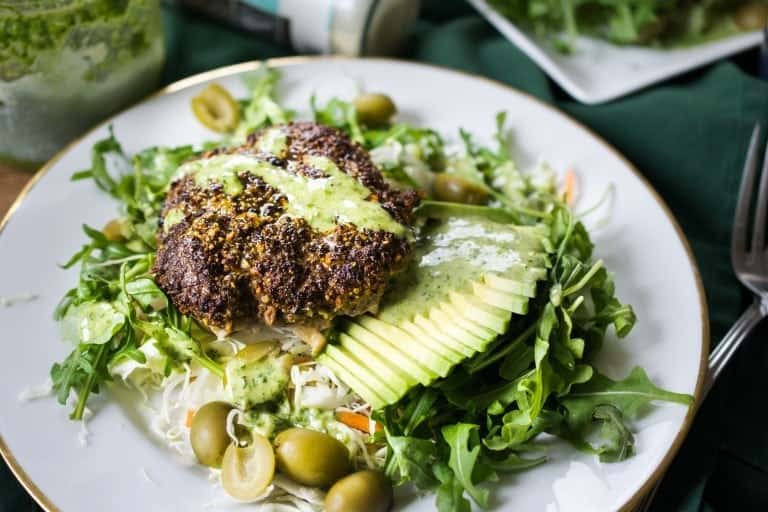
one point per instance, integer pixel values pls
(688, 136)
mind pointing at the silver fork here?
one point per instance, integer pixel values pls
(750, 264)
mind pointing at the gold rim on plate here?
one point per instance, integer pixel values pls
(213, 74)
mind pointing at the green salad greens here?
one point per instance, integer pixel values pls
(453, 436)
(643, 22)
(484, 418)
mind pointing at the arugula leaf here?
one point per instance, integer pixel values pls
(82, 371)
(92, 323)
(339, 114)
(420, 410)
(410, 460)
(628, 395)
(147, 293)
(609, 403)
(619, 443)
(98, 171)
(450, 493)
(464, 443)
(261, 109)
(178, 345)
(513, 462)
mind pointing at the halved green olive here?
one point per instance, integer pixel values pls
(311, 457)
(374, 109)
(247, 471)
(364, 491)
(208, 434)
(216, 109)
(449, 187)
(256, 351)
(751, 16)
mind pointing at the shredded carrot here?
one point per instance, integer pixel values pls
(190, 417)
(570, 188)
(357, 421)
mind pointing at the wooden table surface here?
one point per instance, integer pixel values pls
(11, 183)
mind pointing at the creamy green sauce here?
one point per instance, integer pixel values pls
(273, 142)
(173, 217)
(323, 202)
(257, 382)
(453, 254)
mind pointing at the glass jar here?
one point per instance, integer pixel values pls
(66, 64)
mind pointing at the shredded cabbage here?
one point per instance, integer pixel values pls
(317, 394)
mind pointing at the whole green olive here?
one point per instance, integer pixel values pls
(374, 109)
(364, 491)
(208, 434)
(449, 187)
(751, 16)
(247, 471)
(311, 457)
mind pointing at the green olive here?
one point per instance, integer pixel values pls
(751, 16)
(208, 433)
(449, 187)
(364, 491)
(115, 230)
(311, 457)
(216, 109)
(374, 109)
(248, 470)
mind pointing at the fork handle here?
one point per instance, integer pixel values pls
(730, 343)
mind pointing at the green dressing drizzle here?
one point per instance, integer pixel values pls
(323, 202)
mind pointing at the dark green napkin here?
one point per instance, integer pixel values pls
(688, 136)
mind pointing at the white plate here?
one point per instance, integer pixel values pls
(598, 71)
(642, 244)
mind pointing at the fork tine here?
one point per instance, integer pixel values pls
(741, 217)
(758, 233)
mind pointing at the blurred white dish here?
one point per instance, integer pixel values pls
(599, 71)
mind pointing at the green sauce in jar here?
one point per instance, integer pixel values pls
(65, 64)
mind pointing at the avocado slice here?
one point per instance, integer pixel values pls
(502, 300)
(490, 316)
(525, 273)
(362, 373)
(535, 259)
(370, 352)
(461, 328)
(467, 323)
(433, 331)
(396, 379)
(504, 284)
(437, 357)
(396, 354)
(360, 386)
(447, 348)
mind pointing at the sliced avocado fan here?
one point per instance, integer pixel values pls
(468, 276)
